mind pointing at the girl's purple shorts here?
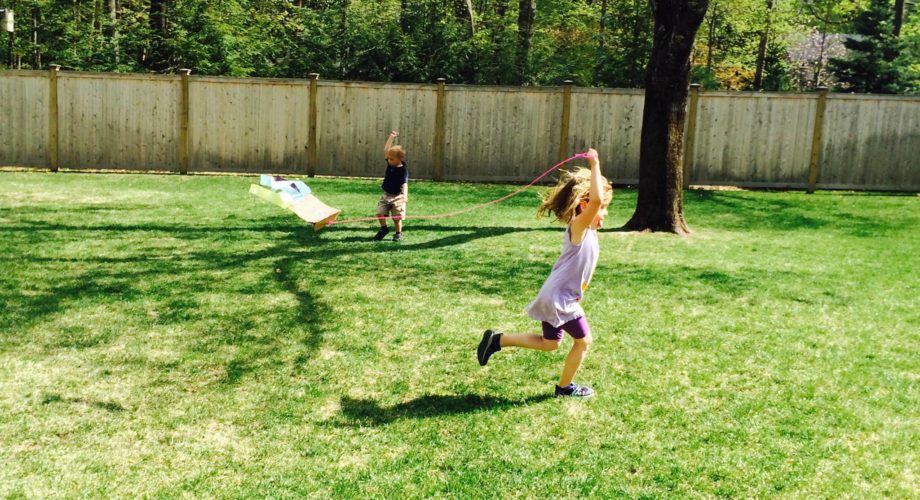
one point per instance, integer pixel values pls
(578, 328)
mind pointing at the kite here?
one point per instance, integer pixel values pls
(296, 197)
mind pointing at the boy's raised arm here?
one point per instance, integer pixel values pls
(389, 143)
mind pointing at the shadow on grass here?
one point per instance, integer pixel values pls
(787, 212)
(110, 406)
(311, 314)
(22, 311)
(293, 260)
(173, 281)
(364, 412)
(175, 284)
(465, 235)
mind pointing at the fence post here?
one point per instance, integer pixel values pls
(691, 134)
(312, 155)
(438, 172)
(53, 116)
(816, 140)
(566, 114)
(183, 121)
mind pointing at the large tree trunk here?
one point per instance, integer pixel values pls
(526, 12)
(36, 53)
(343, 43)
(603, 24)
(113, 29)
(762, 48)
(709, 40)
(635, 60)
(405, 25)
(76, 26)
(820, 64)
(157, 59)
(898, 17)
(97, 15)
(464, 10)
(660, 204)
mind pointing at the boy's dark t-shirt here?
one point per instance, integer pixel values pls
(394, 178)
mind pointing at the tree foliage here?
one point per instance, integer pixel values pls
(908, 62)
(869, 64)
(505, 42)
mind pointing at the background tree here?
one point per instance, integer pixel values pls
(908, 63)
(826, 20)
(506, 42)
(733, 43)
(777, 66)
(898, 17)
(527, 10)
(156, 57)
(762, 46)
(565, 44)
(869, 63)
(660, 203)
(809, 55)
(624, 43)
(495, 42)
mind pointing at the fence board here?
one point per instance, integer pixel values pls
(493, 134)
(118, 123)
(24, 119)
(241, 125)
(354, 120)
(871, 142)
(753, 137)
(611, 122)
(125, 121)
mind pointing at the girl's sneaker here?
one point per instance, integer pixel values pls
(397, 236)
(574, 391)
(490, 344)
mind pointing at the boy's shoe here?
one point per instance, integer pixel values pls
(574, 391)
(490, 344)
(397, 236)
(380, 234)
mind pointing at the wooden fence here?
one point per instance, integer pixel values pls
(187, 123)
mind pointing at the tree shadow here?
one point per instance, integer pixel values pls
(311, 314)
(170, 282)
(26, 310)
(464, 235)
(110, 406)
(367, 412)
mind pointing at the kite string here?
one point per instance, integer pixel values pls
(474, 207)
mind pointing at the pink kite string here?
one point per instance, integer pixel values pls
(474, 207)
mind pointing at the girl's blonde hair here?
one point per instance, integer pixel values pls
(572, 187)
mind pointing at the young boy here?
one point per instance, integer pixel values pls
(395, 189)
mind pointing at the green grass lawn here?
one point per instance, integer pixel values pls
(175, 336)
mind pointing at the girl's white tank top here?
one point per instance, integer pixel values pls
(558, 300)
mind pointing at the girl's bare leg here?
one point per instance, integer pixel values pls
(573, 360)
(528, 340)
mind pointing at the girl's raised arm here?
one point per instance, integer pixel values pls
(589, 209)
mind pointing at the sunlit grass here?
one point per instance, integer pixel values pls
(167, 335)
